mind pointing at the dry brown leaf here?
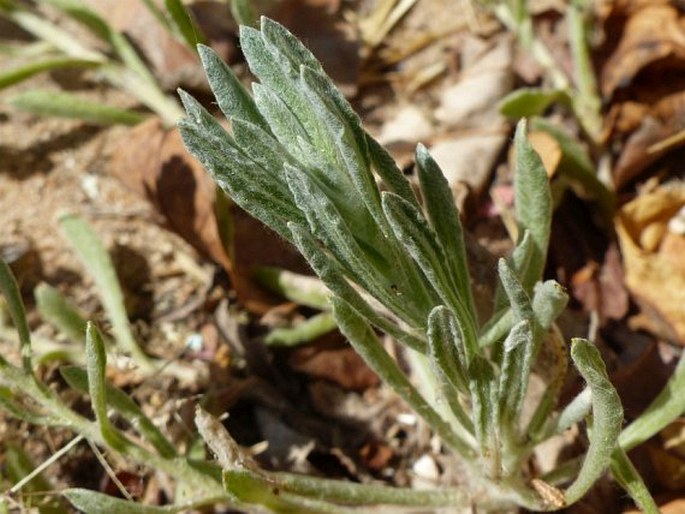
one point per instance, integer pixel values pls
(651, 33)
(160, 170)
(330, 359)
(653, 263)
(599, 288)
(647, 125)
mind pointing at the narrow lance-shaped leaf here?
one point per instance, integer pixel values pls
(607, 417)
(92, 502)
(414, 233)
(259, 191)
(66, 105)
(185, 25)
(96, 362)
(118, 400)
(447, 347)
(574, 412)
(533, 202)
(56, 309)
(233, 99)
(366, 343)
(352, 157)
(331, 274)
(278, 74)
(387, 170)
(15, 305)
(365, 265)
(484, 393)
(99, 265)
(448, 362)
(513, 379)
(444, 218)
(13, 76)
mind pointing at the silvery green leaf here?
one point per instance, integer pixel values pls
(92, 502)
(484, 393)
(533, 202)
(447, 347)
(366, 343)
(364, 264)
(57, 310)
(444, 218)
(233, 99)
(264, 149)
(519, 300)
(15, 305)
(574, 412)
(607, 417)
(260, 192)
(199, 116)
(99, 266)
(390, 174)
(519, 262)
(549, 300)
(332, 275)
(96, 361)
(448, 361)
(515, 370)
(351, 157)
(413, 231)
(277, 73)
(117, 399)
(288, 46)
(287, 128)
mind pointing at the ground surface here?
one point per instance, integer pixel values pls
(435, 77)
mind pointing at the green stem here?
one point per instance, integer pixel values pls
(524, 31)
(586, 102)
(198, 480)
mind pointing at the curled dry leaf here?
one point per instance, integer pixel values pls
(652, 33)
(645, 42)
(652, 248)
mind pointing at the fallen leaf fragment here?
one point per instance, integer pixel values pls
(153, 162)
(650, 34)
(653, 263)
